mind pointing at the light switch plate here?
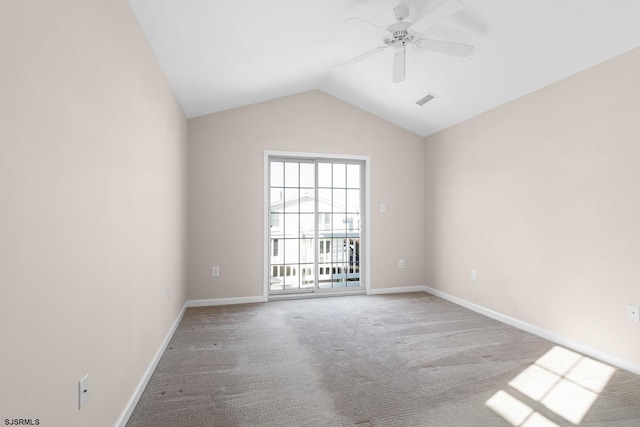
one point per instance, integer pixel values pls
(633, 313)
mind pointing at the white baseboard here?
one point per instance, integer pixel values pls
(551, 336)
(381, 291)
(135, 397)
(224, 301)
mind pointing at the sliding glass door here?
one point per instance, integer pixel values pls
(315, 225)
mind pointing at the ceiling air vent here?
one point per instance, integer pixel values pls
(426, 99)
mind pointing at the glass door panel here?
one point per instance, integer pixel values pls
(339, 201)
(292, 227)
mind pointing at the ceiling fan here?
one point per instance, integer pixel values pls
(402, 33)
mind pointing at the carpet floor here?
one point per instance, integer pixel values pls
(389, 360)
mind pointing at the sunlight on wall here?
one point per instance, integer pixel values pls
(563, 381)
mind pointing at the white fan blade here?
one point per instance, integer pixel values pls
(367, 26)
(445, 33)
(450, 48)
(439, 13)
(360, 57)
(399, 64)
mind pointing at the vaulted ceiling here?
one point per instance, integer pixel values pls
(219, 54)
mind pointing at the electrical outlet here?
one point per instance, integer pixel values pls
(633, 313)
(169, 292)
(215, 271)
(83, 391)
(401, 263)
(474, 275)
(383, 208)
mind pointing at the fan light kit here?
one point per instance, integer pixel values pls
(402, 33)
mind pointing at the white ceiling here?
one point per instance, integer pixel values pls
(219, 55)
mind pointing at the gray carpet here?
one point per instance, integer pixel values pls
(390, 360)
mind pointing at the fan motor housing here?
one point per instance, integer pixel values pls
(400, 33)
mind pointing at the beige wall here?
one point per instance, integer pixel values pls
(93, 186)
(226, 155)
(542, 197)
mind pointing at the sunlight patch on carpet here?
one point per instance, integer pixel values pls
(564, 382)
